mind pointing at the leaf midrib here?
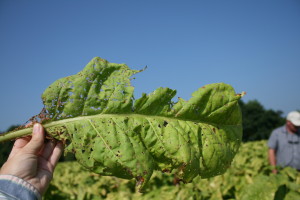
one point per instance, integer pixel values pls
(28, 131)
(54, 123)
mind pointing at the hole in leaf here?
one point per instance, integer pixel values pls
(165, 123)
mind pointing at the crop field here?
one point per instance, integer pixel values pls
(249, 177)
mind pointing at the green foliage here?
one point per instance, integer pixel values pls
(249, 177)
(111, 134)
(4, 151)
(6, 147)
(258, 122)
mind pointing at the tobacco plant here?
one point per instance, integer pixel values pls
(94, 112)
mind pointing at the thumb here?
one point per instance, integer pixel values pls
(37, 141)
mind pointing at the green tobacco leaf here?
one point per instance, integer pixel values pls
(265, 188)
(111, 134)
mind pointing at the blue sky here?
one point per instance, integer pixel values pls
(253, 45)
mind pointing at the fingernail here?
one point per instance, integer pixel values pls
(36, 128)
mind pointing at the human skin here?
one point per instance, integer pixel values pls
(291, 127)
(33, 159)
(272, 159)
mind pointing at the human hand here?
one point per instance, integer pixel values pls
(33, 160)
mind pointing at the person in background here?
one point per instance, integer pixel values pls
(29, 168)
(284, 143)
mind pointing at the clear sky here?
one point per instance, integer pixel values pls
(253, 45)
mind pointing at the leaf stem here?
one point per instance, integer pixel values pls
(15, 134)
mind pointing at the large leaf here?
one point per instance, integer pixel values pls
(111, 134)
(265, 188)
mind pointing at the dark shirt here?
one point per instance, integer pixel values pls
(286, 146)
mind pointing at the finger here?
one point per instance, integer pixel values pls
(48, 149)
(56, 154)
(19, 144)
(37, 141)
